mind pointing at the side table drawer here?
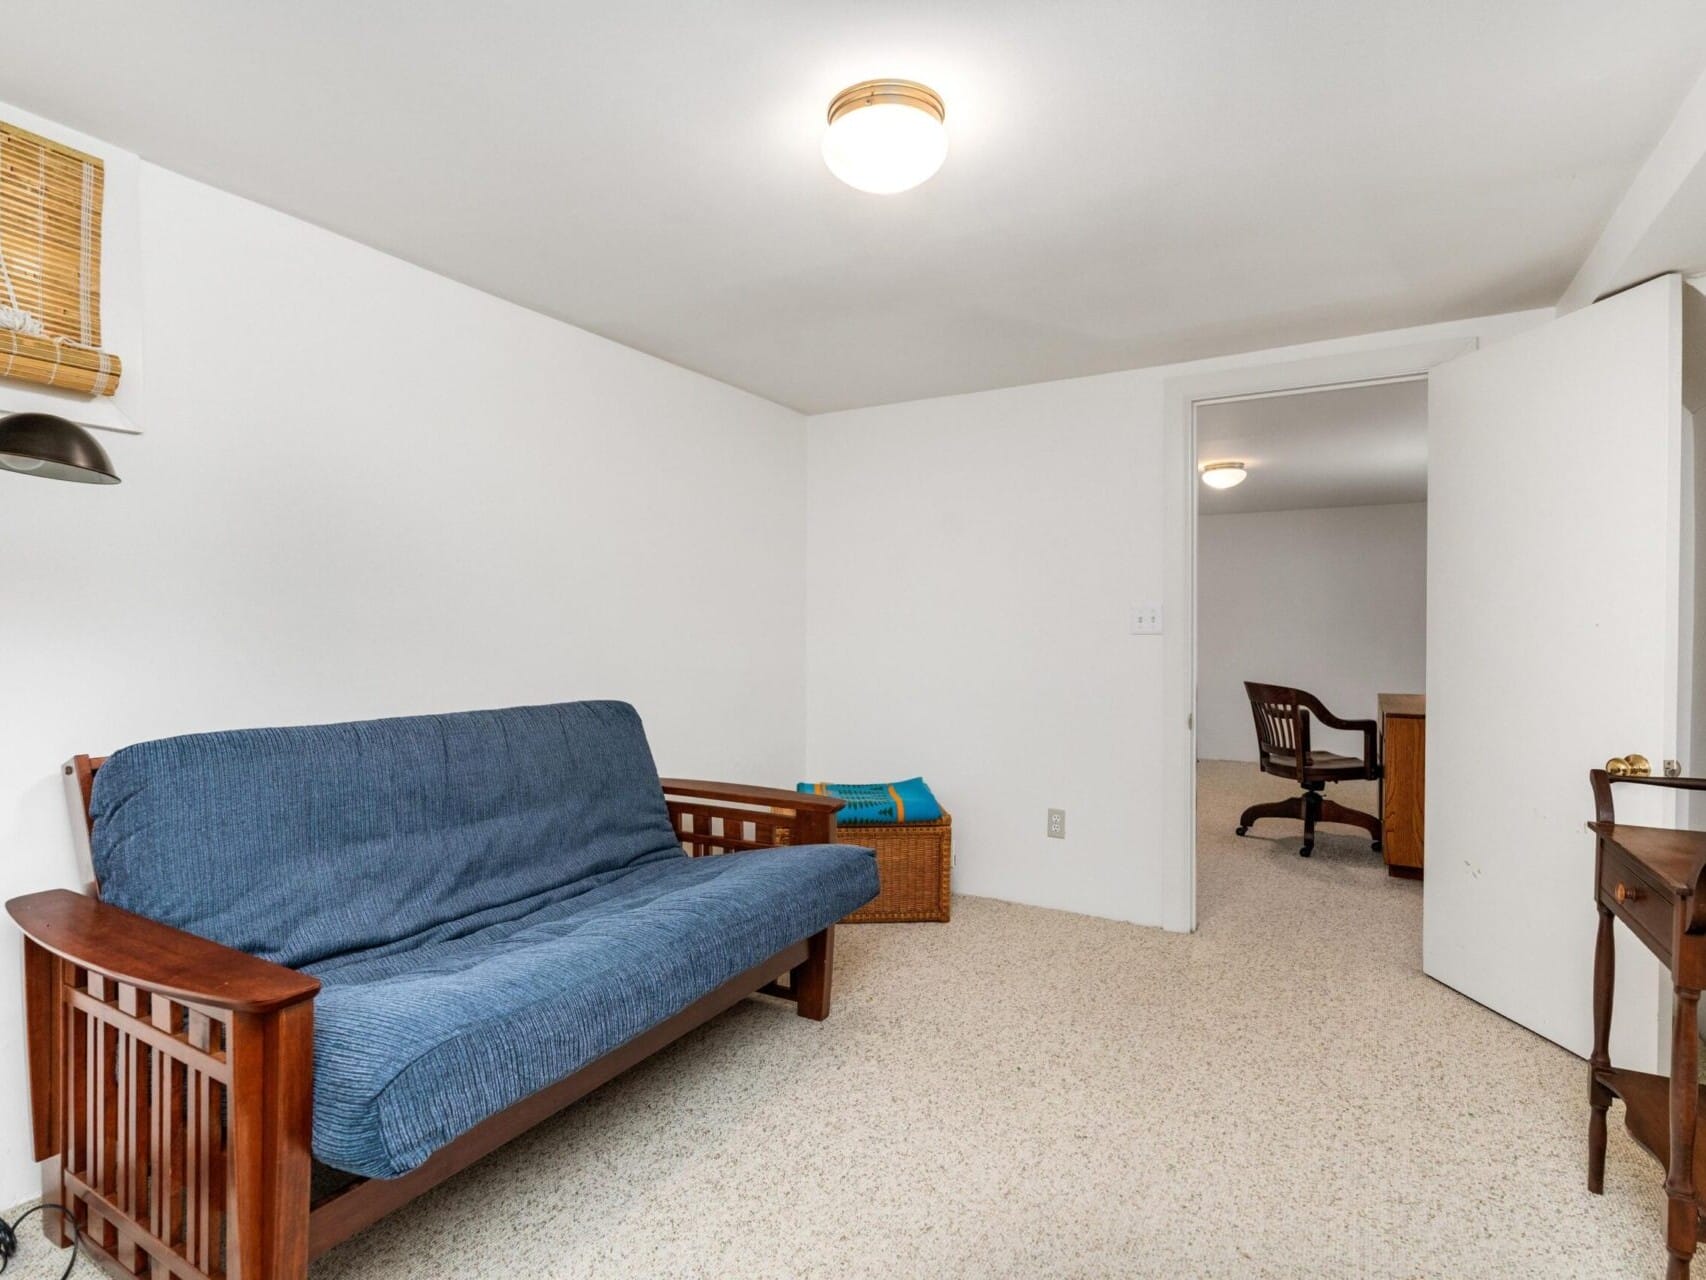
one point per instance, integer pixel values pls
(1635, 900)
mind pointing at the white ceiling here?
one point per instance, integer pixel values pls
(1128, 182)
(1348, 447)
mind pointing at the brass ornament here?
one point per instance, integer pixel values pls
(1639, 766)
(1617, 767)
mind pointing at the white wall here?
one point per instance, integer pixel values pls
(1332, 600)
(973, 564)
(365, 490)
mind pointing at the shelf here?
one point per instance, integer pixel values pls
(1646, 1112)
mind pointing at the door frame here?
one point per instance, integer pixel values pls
(1376, 364)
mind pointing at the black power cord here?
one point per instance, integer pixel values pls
(9, 1236)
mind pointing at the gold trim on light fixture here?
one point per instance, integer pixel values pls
(868, 93)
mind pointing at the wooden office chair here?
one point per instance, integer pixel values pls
(1282, 739)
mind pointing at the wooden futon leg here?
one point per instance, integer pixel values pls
(810, 981)
(269, 1122)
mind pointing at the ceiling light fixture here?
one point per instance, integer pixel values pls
(1223, 475)
(885, 136)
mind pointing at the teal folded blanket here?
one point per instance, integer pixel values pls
(909, 801)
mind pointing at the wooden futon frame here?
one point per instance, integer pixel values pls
(171, 1078)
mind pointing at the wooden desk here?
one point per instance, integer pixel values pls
(1651, 879)
(1403, 751)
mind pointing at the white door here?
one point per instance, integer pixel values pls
(1554, 532)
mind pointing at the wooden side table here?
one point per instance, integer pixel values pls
(1651, 879)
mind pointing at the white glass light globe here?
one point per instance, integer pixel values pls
(17, 462)
(1223, 475)
(885, 147)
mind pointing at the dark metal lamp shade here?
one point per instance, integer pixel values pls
(39, 444)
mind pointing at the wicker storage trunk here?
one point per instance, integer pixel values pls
(913, 861)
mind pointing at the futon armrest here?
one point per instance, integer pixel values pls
(727, 817)
(145, 953)
(146, 1041)
(745, 793)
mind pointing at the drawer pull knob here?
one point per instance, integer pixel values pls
(1623, 893)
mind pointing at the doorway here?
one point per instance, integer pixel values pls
(1552, 453)
(1311, 575)
(1295, 375)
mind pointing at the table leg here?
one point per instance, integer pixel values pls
(1599, 1097)
(1684, 1106)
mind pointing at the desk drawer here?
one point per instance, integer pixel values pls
(1637, 901)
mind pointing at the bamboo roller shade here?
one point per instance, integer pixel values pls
(50, 263)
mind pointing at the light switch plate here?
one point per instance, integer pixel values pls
(1146, 619)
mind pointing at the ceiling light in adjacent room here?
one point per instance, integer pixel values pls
(885, 136)
(1223, 475)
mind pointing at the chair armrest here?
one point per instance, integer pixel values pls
(1369, 729)
(1332, 721)
(146, 953)
(1358, 726)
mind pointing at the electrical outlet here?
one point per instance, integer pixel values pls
(1146, 619)
(1057, 824)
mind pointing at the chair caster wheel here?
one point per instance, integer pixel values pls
(1377, 846)
(1242, 830)
(1306, 851)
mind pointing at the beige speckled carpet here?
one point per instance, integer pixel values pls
(1027, 1093)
